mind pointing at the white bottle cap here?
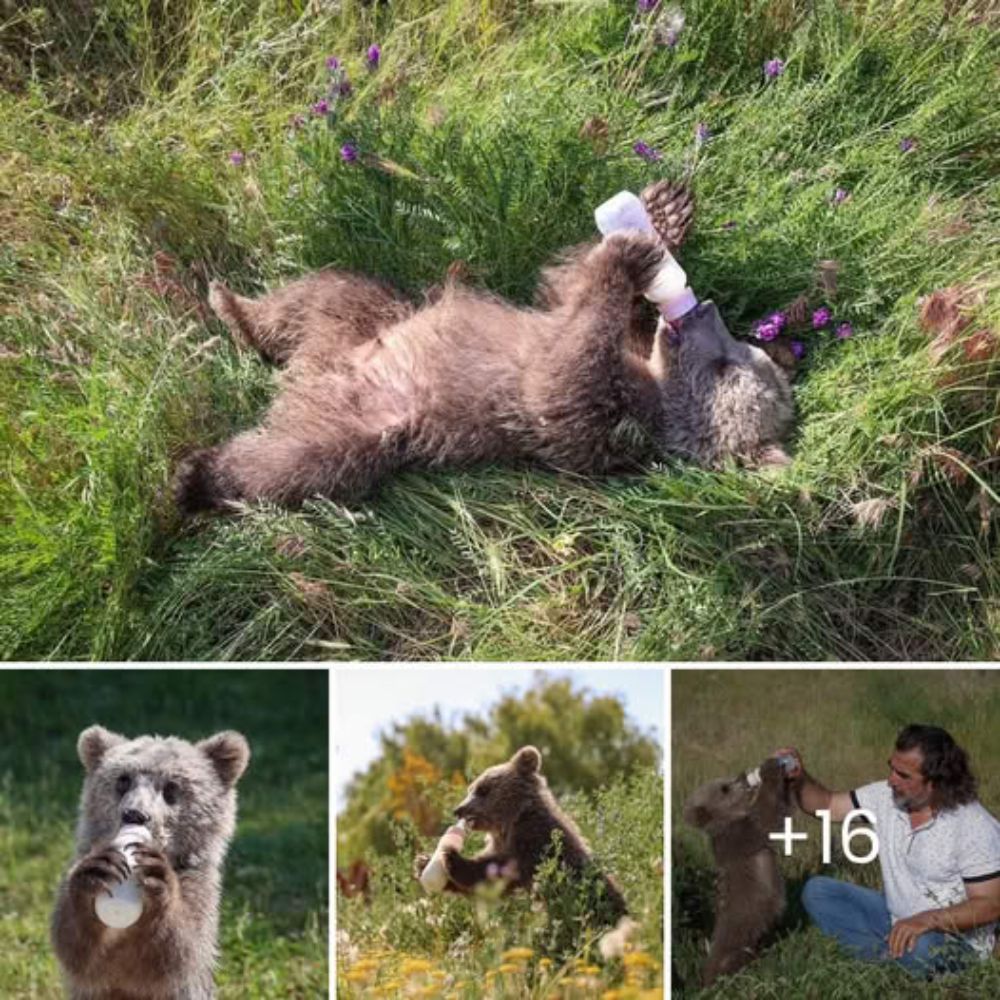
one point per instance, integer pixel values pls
(624, 211)
(680, 305)
(753, 777)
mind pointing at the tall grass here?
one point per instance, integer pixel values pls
(400, 940)
(844, 724)
(116, 125)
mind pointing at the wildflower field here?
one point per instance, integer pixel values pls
(844, 724)
(844, 159)
(274, 923)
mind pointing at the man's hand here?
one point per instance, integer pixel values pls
(904, 933)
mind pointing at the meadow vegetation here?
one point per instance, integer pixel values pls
(394, 940)
(146, 148)
(273, 939)
(844, 724)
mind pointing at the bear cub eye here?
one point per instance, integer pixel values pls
(123, 784)
(171, 793)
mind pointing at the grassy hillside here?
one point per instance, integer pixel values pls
(844, 724)
(145, 148)
(273, 937)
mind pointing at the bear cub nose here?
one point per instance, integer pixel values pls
(133, 817)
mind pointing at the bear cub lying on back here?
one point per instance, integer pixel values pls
(511, 803)
(184, 794)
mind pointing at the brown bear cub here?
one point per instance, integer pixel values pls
(373, 384)
(750, 892)
(511, 803)
(185, 795)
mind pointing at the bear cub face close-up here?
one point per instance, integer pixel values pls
(182, 797)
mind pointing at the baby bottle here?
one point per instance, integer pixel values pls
(122, 907)
(435, 876)
(785, 760)
(669, 291)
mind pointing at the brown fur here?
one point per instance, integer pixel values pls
(170, 952)
(750, 893)
(511, 803)
(374, 385)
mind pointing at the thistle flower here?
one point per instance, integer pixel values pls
(820, 318)
(767, 331)
(321, 107)
(349, 152)
(645, 6)
(646, 152)
(777, 319)
(773, 68)
(702, 133)
(332, 64)
(373, 57)
(797, 348)
(905, 145)
(236, 158)
(839, 196)
(844, 330)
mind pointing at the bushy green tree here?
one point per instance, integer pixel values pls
(586, 740)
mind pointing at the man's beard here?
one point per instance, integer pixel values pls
(907, 803)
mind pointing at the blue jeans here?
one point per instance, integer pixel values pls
(859, 919)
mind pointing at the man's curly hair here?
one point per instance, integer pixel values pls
(945, 764)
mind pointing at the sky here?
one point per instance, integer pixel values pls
(369, 699)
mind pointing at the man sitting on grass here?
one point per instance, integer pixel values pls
(939, 850)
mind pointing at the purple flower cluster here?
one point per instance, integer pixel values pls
(840, 196)
(646, 151)
(771, 328)
(773, 68)
(236, 158)
(373, 56)
(349, 152)
(645, 6)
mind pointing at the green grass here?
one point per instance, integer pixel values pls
(401, 939)
(844, 724)
(273, 935)
(116, 121)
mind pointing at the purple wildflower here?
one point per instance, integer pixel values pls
(344, 88)
(840, 196)
(321, 107)
(646, 152)
(349, 152)
(821, 317)
(777, 319)
(374, 56)
(773, 68)
(905, 145)
(767, 331)
(645, 6)
(797, 348)
(702, 133)
(332, 64)
(844, 331)
(236, 158)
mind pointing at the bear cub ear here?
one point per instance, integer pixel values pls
(229, 753)
(93, 743)
(527, 760)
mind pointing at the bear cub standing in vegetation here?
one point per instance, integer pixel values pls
(750, 892)
(511, 803)
(185, 795)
